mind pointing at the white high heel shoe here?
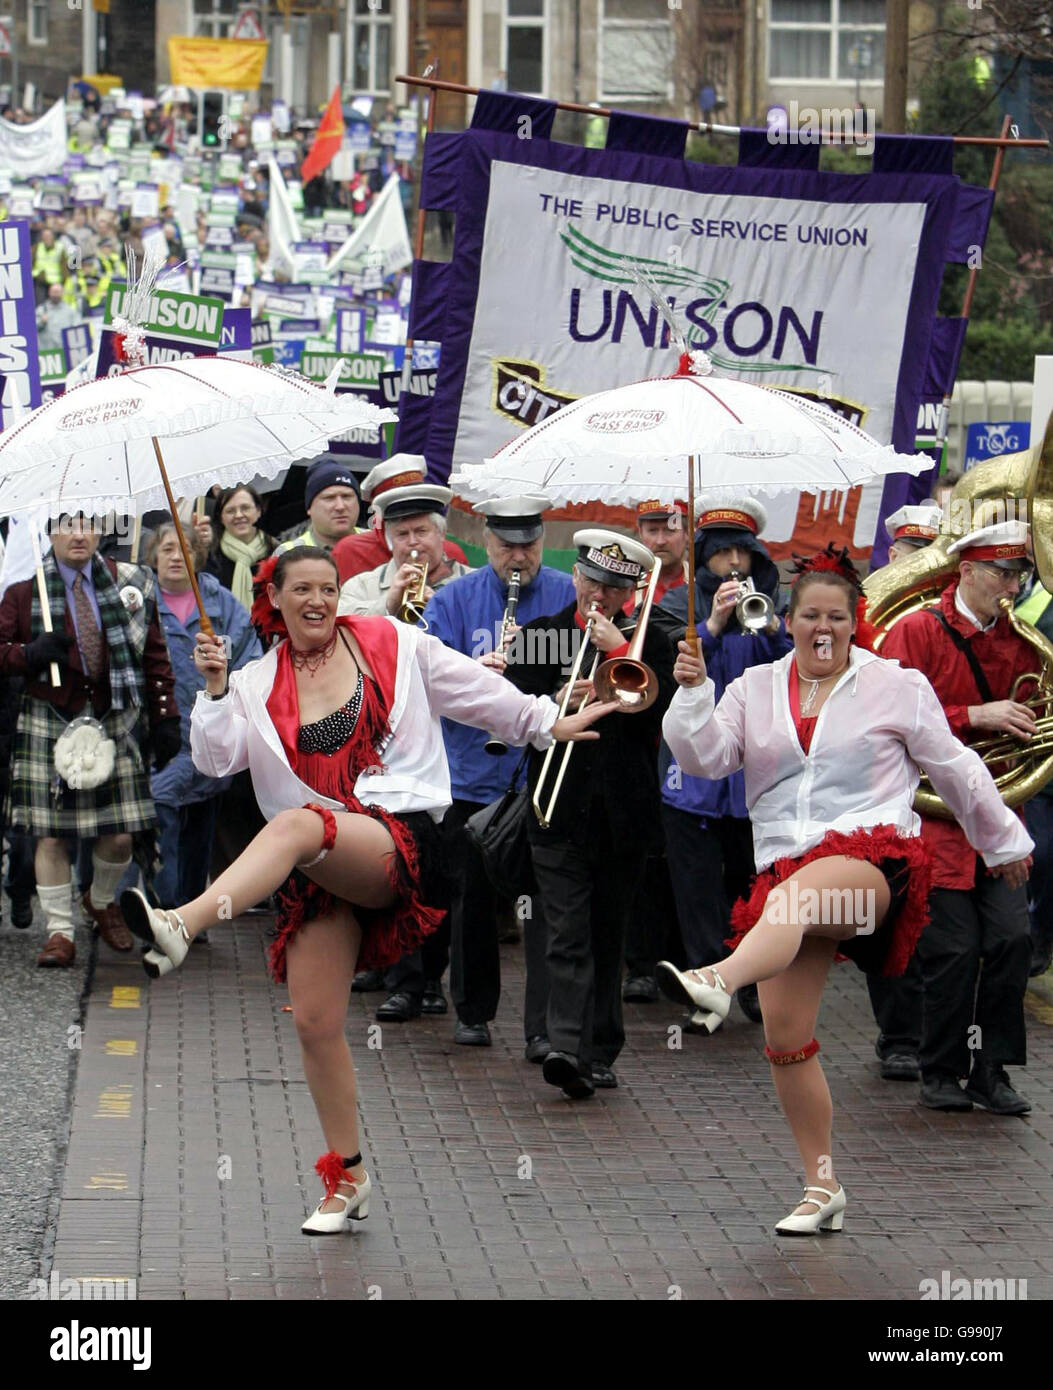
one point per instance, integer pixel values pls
(164, 932)
(830, 1215)
(711, 1002)
(355, 1208)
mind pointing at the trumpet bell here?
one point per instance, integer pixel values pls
(631, 684)
(754, 611)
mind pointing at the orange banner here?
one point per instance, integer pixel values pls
(236, 64)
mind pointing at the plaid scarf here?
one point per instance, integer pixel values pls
(126, 677)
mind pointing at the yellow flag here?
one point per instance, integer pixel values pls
(234, 63)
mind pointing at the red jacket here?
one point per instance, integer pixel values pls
(76, 692)
(368, 550)
(921, 641)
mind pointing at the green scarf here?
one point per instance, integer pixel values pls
(244, 557)
(125, 673)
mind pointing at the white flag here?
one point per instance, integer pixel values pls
(36, 148)
(283, 229)
(380, 240)
(18, 558)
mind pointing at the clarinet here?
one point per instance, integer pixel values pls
(494, 745)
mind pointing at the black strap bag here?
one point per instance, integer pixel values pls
(499, 832)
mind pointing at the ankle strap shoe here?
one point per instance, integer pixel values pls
(712, 1001)
(829, 1216)
(355, 1208)
(164, 932)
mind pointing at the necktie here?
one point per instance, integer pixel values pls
(88, 635)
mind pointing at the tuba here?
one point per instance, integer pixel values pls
(1020, 770)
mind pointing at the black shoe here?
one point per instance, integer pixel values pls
(21, 913)
(201, 939)
(562, 1070)
(989, 1088)
(367, 982)
(1041, 959)
(603, 1078)
(900, 1066)
(640, 989)
(433, 1001)
(749, 1003)
(537, 1048)
(399, 1007)
(473, 1035)
(943, 1093)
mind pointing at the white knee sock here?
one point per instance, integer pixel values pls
(57, 903)
(105, 878)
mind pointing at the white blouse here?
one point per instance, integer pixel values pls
(878, 725)
(431, 680)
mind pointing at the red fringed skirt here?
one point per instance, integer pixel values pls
(906, 864)
(417, 877)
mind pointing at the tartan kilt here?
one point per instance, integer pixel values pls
(124, 804)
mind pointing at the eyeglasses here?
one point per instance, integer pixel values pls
(1004, 576)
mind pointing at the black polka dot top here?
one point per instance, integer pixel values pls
(330, 734)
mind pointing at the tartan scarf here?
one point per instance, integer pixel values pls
(126, 677)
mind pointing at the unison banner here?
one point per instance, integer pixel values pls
(36, 148)
(19, 361)
(824, 284)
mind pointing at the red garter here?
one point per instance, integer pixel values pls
(879, 843)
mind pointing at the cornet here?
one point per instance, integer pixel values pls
(753, 611)
(412, 607)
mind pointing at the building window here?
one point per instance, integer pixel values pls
(636, 50)
(37, 21)
(369, 47)
(827, 41)
(524, 47)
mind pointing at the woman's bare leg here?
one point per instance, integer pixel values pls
(355, 869)
(320, 964)
(775, 941)
(790, 1005)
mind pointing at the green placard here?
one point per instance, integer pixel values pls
(194, 318)
(362, 369)
(53, 366)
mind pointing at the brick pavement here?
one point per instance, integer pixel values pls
(193, 1140)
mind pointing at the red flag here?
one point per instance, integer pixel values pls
(327, 140)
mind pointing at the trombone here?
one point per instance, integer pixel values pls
(545, 815)
(412, 607)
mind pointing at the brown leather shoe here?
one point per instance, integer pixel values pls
(109, 924)
(58, 951)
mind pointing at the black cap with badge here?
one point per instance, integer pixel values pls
(516, 520)
(612, 559)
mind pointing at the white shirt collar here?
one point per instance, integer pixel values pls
(966, 612)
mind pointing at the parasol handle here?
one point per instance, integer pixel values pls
(206, 625)
(691, 635)
(45, 606)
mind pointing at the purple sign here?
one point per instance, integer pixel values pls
(19, 362)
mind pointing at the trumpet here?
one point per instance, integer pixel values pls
(494, 745)
(412, 607)
(545, 815)
(754, 610)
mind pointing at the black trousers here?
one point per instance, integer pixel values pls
(711, 866)
(1038, 815)
(653, 932)
(974, 957)
(428, 962)
(897, 1005)
(586, 892)
(475, 956)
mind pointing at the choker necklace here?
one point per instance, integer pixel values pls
(314, 658)
(809, 701)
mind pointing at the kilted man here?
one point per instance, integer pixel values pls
(467, 615)
(588, 860)
(113, 667)
(975, 952)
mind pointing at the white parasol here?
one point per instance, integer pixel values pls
(636, 442)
